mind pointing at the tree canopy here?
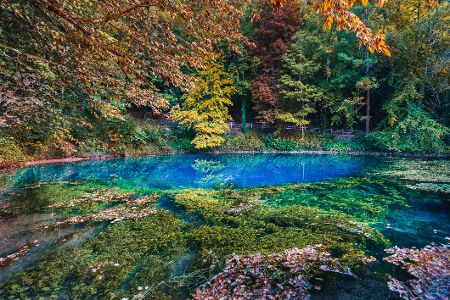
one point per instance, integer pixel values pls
(69, 68)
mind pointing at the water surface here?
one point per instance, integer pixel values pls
(405, 199)
(191, 170)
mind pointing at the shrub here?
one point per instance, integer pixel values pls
(280, 144)
(342, 145)
(10, 151)
(415, 132)
(250, 141)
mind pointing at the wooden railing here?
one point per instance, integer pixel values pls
(341, 132)
(338, 131)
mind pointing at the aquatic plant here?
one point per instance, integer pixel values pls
(46, 195)
(419, 170)
(113, 263)
(103, 196)
(429, 267)
(364, 199)
(133, 209)
(283, 275)
(233, 221)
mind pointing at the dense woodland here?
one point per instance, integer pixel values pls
(72, 71)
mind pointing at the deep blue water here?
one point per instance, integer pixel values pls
(184, 171)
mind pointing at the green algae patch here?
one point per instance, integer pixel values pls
(365, 199)
(235, 222)
(37, 198)
(431, 177)
(131, 210)
(435, 171)
(45, 196)
(105, 266)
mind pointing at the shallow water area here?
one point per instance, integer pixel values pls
(162, 226)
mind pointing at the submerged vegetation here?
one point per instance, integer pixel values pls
(118, 240)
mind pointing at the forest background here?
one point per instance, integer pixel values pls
(74, 73)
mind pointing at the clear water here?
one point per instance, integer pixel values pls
(422, 216)
(190, 170)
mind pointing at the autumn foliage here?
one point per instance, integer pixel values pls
(275, 276)
(117, 48)
(205, 107)
(429, 267)
(275, 27)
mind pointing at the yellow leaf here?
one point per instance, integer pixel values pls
(328, 22)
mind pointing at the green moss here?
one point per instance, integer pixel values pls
(105, 265)
(419, 170)
(234, 222)
(65, 197)
(365, 199)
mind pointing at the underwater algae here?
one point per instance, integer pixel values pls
(140, 248)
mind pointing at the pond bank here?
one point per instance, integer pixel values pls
(320, 152)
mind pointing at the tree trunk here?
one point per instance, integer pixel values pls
(367, 93)
(244, 114)
(367, 63)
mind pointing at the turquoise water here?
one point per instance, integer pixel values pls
(190, 170)
(185, 237)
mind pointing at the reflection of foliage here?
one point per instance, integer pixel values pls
(274, 276)
(209, 171)
(207, 166)
(430, 268)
